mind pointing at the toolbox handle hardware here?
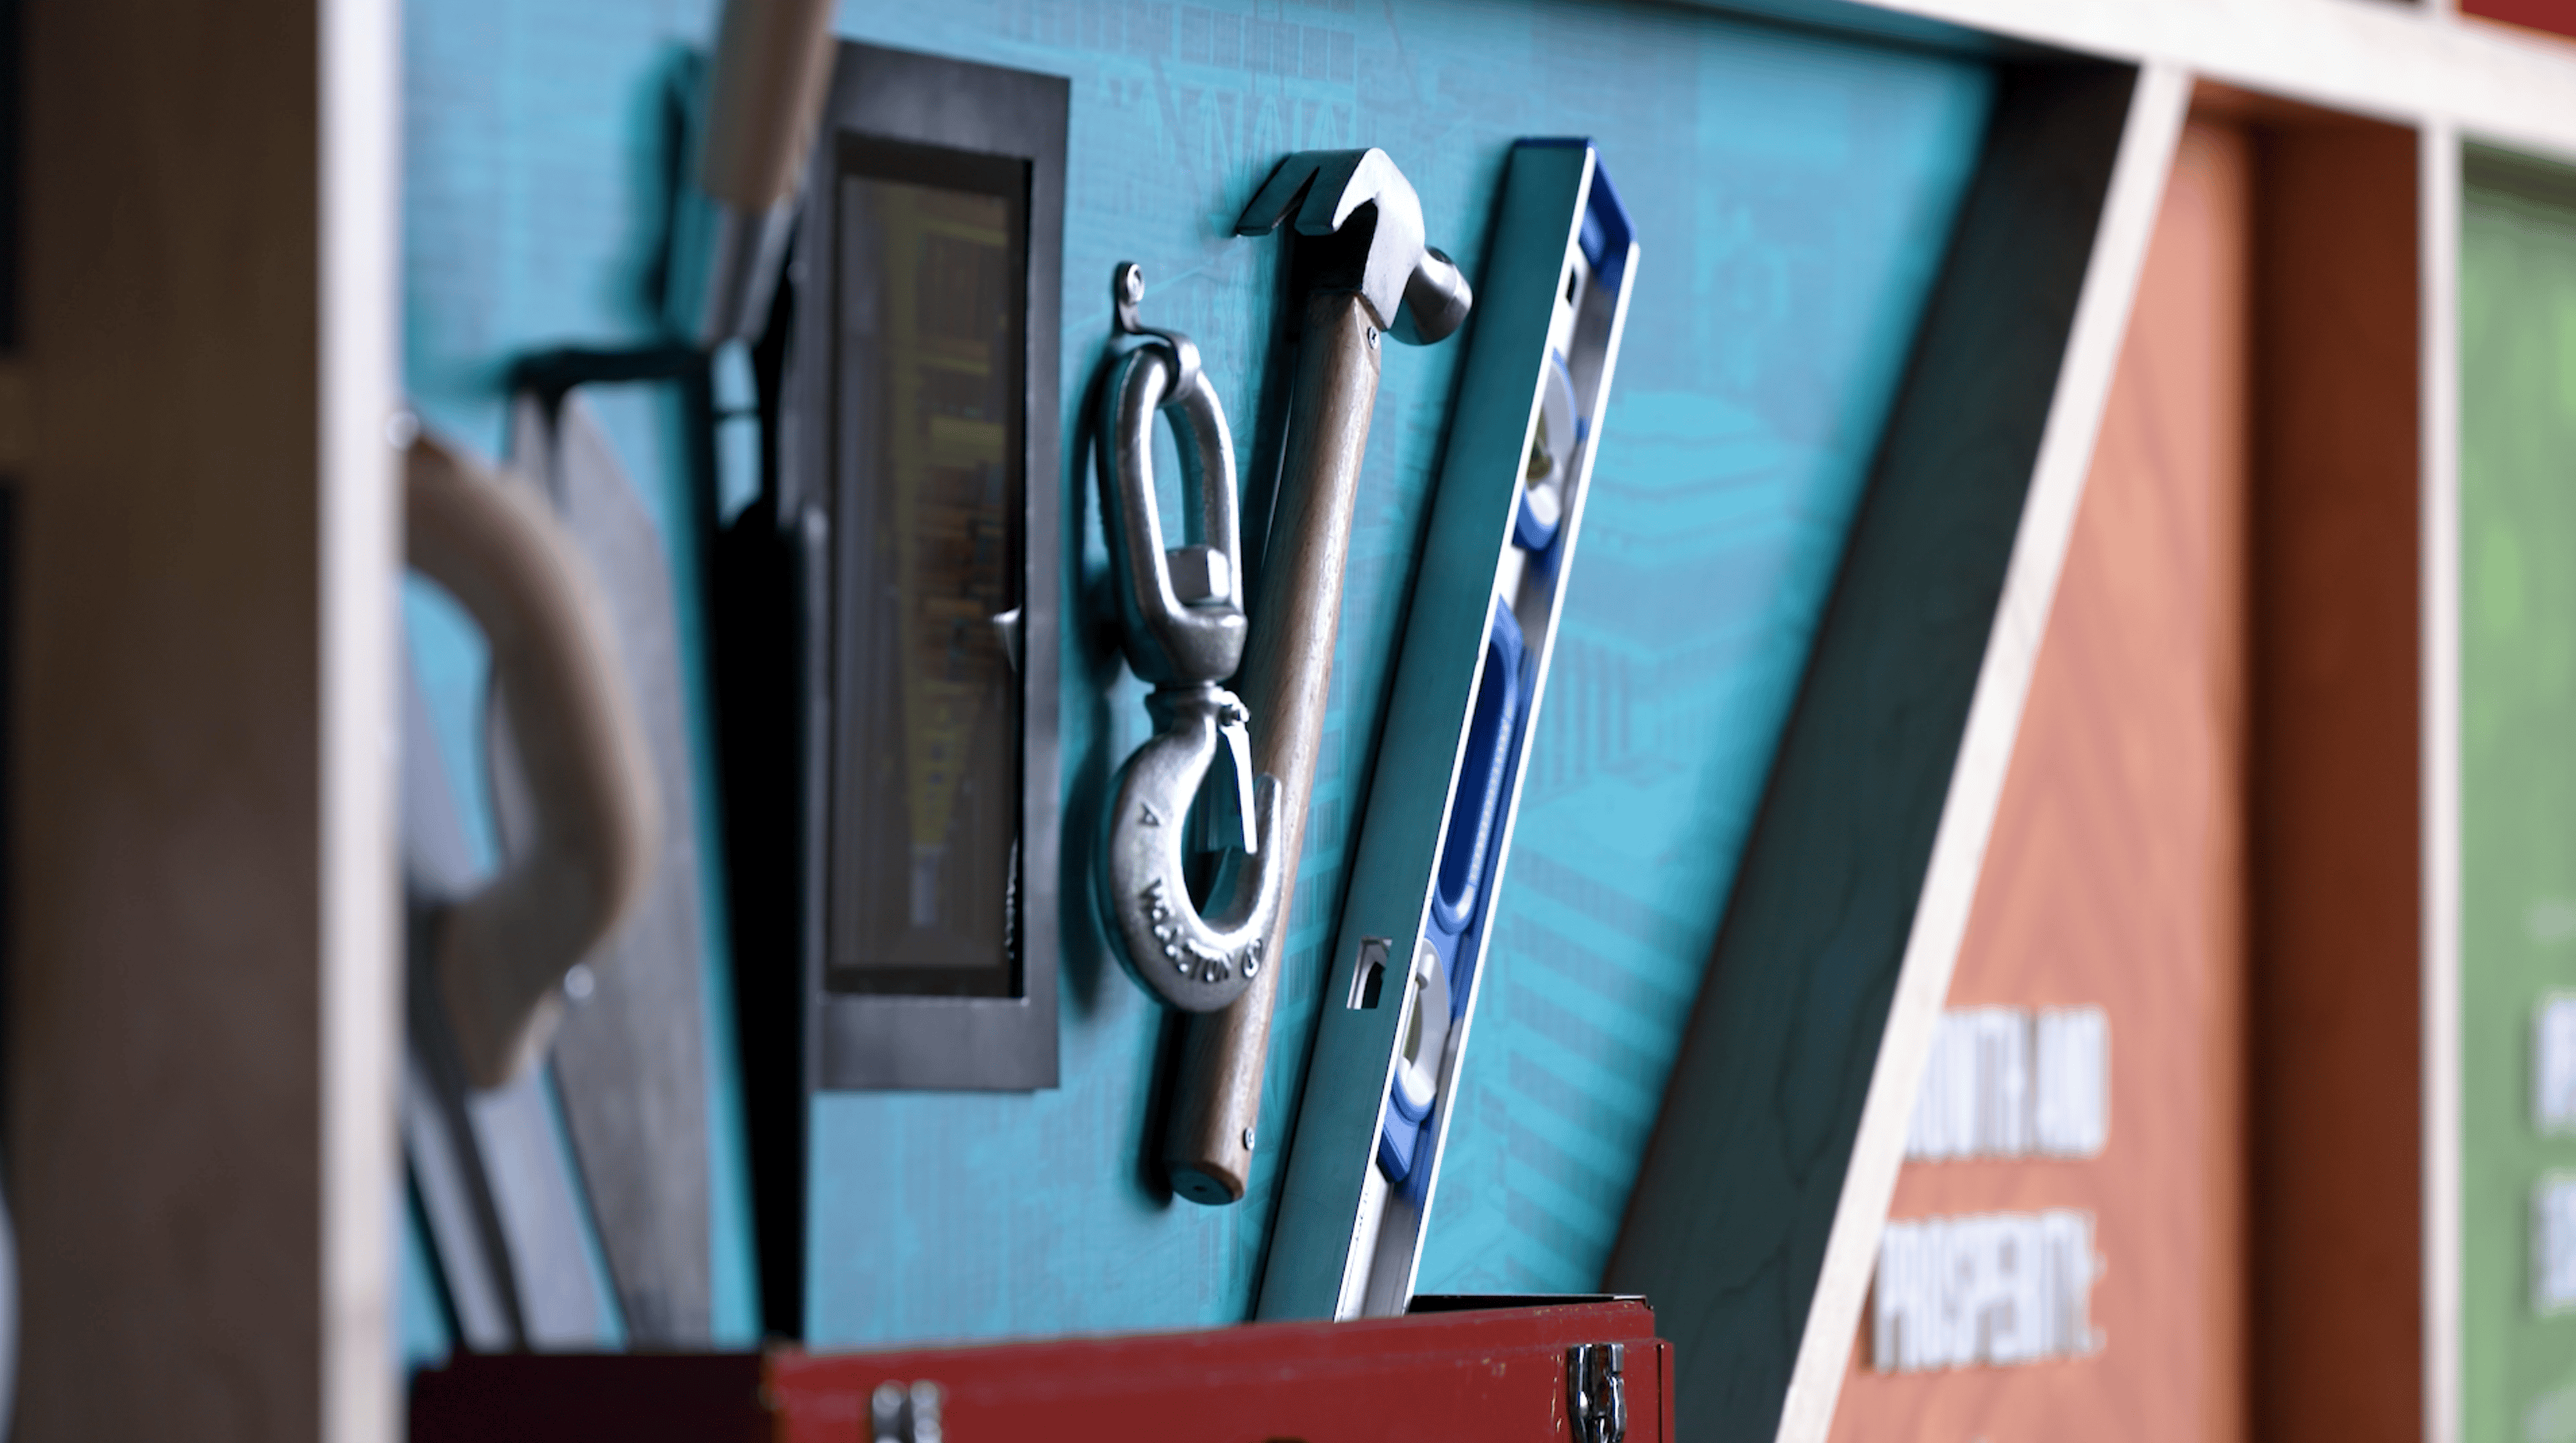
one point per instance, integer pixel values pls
(899, 1414)
(1596, 1395)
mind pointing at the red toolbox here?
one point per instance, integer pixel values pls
(1483, 1369)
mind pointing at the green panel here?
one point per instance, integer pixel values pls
(2518, 692)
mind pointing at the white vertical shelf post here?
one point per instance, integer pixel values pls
(2439, 351)
(361, 556)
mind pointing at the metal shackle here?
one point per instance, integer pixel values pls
(1182, 607)
(1181, 610)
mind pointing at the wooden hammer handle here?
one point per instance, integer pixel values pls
(1287, 676)
(772, 60)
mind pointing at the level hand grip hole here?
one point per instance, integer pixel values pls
(1368, 977)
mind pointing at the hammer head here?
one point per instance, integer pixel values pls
(1413, 290)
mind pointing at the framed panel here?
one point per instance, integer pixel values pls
(917, 461)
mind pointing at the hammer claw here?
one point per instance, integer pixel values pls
(1321, 179)
(1412, 291)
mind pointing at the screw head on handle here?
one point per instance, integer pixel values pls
(1127, 297)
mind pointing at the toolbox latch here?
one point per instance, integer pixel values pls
(897, 1414)
(1596, 1397)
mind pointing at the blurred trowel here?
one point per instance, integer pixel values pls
(756, 122)
(486, 956)
(630, 1061)
(502, 1206)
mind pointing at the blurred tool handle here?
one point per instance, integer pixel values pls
(772, 60)
(502, 953)
(1287, 676)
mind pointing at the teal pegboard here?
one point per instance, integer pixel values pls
(1794, 195)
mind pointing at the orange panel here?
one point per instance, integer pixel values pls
(2115, 878)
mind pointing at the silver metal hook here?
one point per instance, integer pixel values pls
(1182, 606)
(1127, 303)
(1193, 960)
(1184, 629)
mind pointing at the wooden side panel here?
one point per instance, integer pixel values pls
(2334, 1081)
(200, 1026)
(2114, 878)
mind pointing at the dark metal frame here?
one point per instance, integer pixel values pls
(882, 1040)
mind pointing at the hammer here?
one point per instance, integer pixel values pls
(1360, 270)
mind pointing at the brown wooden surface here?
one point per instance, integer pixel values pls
(2335, 1241)
(165, 1110)
(2115, 877)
